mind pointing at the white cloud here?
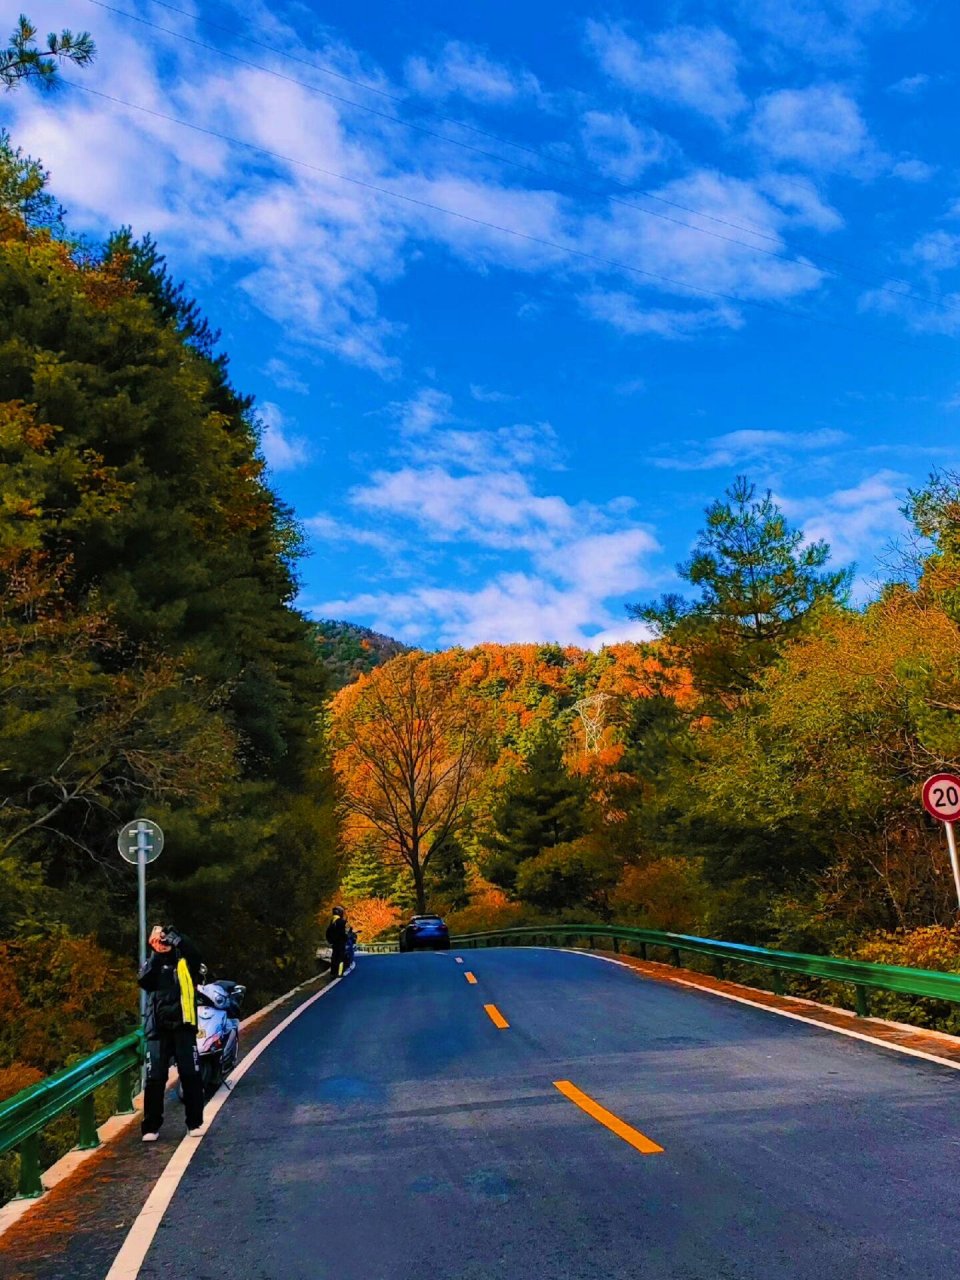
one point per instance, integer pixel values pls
(820, 127)
(913, 170)
(493, 509)
(858, 522)
(470, 491)
(316, 254)
(941, 314)
(281, 451)
(825, 31)
(520, 445)
(935, 252)
(627, 631)
(427, 409)
(487, 396)
(632, 387)
(935, 309)
(432, 434)
(911, 86)
(327, 528)
(686, 66)
(620, 148)
(284, 377)
(800, 202)
(603, 564)
(511, 608)
(628, 314)
(696, 248)
(735, 448)
(464, 71)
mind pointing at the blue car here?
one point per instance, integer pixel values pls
(425, 932)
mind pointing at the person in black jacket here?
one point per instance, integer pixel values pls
(337, 937)
(170, 976)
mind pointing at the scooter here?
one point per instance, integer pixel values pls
(218, 1031)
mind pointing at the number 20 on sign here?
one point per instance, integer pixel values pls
(941, 799)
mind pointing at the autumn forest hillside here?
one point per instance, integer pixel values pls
(752, 772)
(347, 650)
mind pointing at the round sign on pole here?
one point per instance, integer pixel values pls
(941, 797)
(143, 833)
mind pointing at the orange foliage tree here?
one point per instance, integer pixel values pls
(408, 743)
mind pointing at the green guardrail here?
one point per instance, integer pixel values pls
(23, 1116)
(859, 974)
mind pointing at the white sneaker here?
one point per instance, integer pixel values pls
(149, 1137)
(198, 1132)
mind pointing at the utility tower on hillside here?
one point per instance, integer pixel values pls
(591, 711)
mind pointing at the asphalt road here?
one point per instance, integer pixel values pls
(394, 1132)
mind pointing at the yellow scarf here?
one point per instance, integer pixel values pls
(188, 995)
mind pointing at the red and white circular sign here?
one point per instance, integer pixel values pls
(941, 797)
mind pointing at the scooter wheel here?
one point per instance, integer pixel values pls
(210, 1076)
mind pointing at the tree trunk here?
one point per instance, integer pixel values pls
(417, 867)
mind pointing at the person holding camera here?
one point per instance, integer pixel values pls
(337, 937)
(170, 977)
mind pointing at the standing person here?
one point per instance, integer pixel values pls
(337, 937)
(170, 976)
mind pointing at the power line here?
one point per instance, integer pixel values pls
(582, 254)
(804, 260)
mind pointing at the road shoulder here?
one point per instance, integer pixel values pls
(75, 1230)
(913, 1041)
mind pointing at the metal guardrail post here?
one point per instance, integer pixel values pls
(616, 945)
(779, 986)
(643, 951)
(675, 957)
(30, 1186)
(863, 1001)
(86, 1112)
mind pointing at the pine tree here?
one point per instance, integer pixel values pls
(368, 875)
(542, 805)
(24, 60)
(759, 582)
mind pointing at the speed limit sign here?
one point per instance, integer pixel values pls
(941, 797)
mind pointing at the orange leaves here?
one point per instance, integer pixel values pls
(372, 916)
(56, 992)
(18, 425)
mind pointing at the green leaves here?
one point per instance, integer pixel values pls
(23, 59)
(758, 585)
(541, 806)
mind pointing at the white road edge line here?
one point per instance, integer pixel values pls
(14, 1210)
(133, 1251)
(782, 1013)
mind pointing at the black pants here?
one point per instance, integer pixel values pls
(338, 959)
(180, 1045)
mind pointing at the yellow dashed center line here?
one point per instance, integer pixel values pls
(471, 979)
(496, 1017)
(623, 1130)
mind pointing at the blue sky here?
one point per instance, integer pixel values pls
(721, 238)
